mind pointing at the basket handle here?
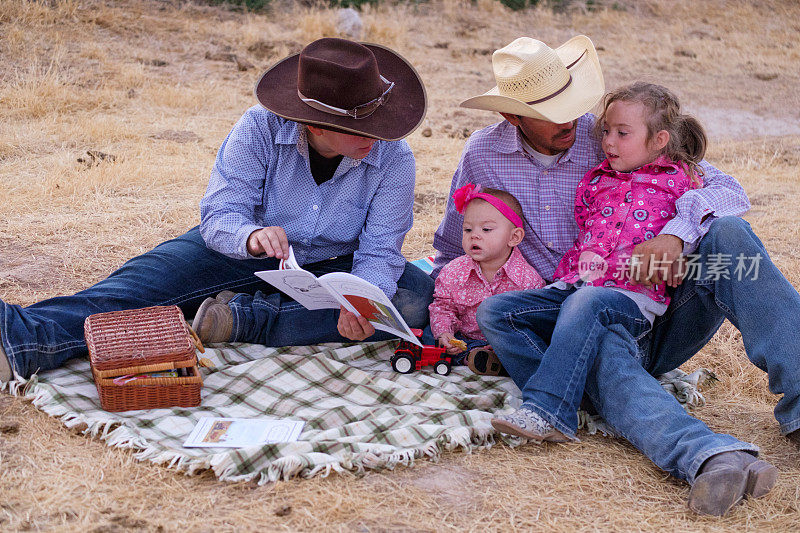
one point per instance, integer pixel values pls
(197, 341)
(202, 361)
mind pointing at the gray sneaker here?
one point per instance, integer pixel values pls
(525, 422)
(213, 321)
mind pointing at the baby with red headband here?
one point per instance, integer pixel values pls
(491, 231)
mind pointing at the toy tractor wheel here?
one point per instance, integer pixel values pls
(442, 367)
(403, 363)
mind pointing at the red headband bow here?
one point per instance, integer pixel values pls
(464, 195)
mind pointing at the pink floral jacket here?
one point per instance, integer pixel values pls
(615, 211)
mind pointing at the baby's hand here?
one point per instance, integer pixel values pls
(447, 340)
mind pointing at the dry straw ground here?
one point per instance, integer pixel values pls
(153, 83)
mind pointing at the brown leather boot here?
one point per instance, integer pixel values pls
(728, 477)
(225, 296)
(5, 366)
(213, 321)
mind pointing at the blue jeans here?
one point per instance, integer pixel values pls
(563, 330)
(766, 310)
(181, 271)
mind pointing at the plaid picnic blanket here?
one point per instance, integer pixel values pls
(360, 415)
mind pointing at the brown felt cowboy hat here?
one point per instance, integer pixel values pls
(534, 80)
(357, 88)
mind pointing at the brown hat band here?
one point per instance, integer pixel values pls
(552, 95)
(562, 89)
(359, 111)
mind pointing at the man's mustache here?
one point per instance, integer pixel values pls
(568, 130)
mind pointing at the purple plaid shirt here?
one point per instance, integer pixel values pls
(494, 157)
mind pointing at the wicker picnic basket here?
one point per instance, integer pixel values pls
(126, 346)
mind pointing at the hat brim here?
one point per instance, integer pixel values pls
(393, 120)
(580, 97)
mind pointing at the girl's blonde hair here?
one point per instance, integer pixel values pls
(687, 138)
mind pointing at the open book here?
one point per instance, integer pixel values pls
(338, 289)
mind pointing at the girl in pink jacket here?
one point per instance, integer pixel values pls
(652, 155)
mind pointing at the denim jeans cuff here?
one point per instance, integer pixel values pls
(787, 428)
(701, 458)
(236, 330)
(570, 434)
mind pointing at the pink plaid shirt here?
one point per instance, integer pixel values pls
(615, 211)
(495, 157)
(461, 287)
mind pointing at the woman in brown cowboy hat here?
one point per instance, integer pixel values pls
(320, 166)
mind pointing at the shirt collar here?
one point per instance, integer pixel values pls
(374, 156)
(290, 133)
(515, 267)
(294, 133)
(585, 145)
(662, 163)
(510, 141)
(510, 268)
(472, 266)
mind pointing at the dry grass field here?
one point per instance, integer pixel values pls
(155, 84)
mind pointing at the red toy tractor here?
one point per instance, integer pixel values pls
(409, 357)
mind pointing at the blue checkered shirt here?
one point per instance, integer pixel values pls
(262, 177)
(494, 157)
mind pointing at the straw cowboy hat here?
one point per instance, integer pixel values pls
(356, 88)
(533, 80)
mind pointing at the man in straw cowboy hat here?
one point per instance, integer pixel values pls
(539, 153)
(321, 166)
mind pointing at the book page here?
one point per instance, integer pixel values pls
(289, 263)
(365, 299)
(302, 286)
(215, 432)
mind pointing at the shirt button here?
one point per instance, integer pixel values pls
(305, 241)
(315, 207)
(544, 173)
(549, 244)
(547, 208)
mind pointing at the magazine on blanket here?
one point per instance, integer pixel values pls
(338, 289)
(216, 432)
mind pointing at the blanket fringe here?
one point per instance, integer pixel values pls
(293, 466)
(19, 386)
